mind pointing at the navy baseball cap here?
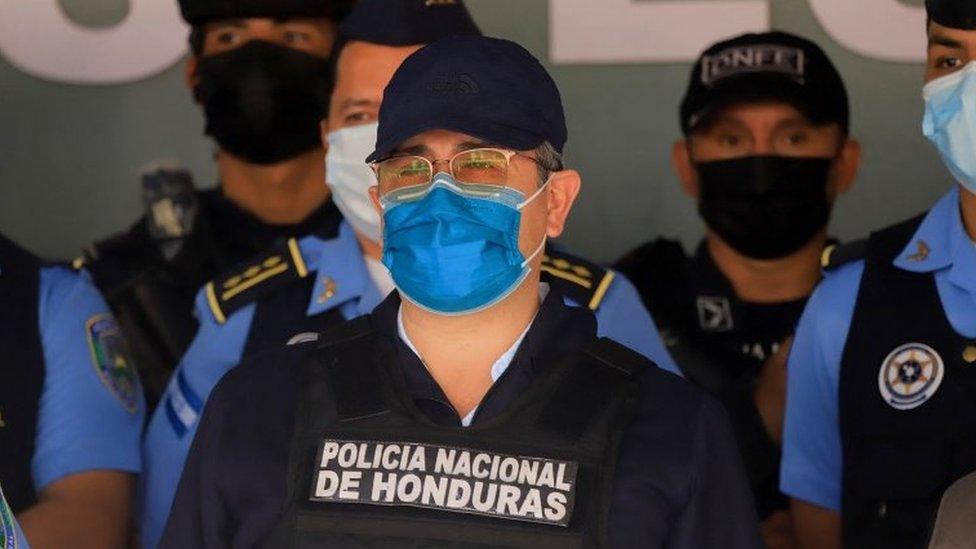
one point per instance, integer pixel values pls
(955, 14)
(770, 66)
(488, 88)
(407, 22)
(198, 12)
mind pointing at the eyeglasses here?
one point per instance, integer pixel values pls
(485, 166)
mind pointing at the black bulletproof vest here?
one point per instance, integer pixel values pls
(279, 316)
(898, 462)
(574, 412)
(21, 371)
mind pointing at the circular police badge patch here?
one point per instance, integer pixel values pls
(110, 358)
(8, 533)
(910, 375)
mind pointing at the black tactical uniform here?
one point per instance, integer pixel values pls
(719, 341)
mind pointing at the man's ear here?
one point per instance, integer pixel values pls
(324, 133)
(374, 195)
(845, 169)
(564, 187)
(190, 75)
(684, 167)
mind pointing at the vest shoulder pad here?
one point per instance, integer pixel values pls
(836, 256)
(253, 279)
(582, 281)
(347, 331)
(618, 357)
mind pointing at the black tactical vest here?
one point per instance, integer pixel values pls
(280, 315)
(906, 437)
(539, 475)
(21, 371)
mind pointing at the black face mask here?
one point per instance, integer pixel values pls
(765, 207)
(263, 102)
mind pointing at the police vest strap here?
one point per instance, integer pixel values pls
(353, 369)
(247, 283)
(580, 280)
(591, 385)
(836, 256)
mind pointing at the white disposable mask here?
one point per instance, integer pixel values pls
(349, 177)
(950, 122)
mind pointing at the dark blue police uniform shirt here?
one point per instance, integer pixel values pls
(679, 482)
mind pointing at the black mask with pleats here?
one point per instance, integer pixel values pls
(263, 102)
(765, 207)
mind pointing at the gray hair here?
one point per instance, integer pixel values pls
(549, 160)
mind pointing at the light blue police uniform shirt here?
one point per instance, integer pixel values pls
(623, 318)
(11, 536)
(91, 412)
(812, 462)
(218, 347)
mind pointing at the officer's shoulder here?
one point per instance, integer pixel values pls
(837, 256)
(630, 362)
(267, 377)
(581, 280)
(120, 257)
(253, 279)
(650, 257)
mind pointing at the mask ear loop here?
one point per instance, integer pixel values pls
(535, 195)
(525, 203)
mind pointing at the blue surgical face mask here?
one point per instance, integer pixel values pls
(452, 247)
(950, 122)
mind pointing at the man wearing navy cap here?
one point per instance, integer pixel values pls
(473, 407)
(880, 413)
(765, 155)
(257, 70)
(331, 276)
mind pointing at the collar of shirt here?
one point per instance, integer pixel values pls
(500, 365)
(344, 279)
(557, 330)
(941, 242)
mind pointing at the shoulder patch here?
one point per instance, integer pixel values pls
(111, 360)
(582, 281)
(245, 284)
(836, 256)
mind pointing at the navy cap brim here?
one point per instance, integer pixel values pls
(753, 88)
(495, 134)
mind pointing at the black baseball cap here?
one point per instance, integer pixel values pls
(761, 67)
(199, 12)
(955, 14)
(407, 22)
(488, 88)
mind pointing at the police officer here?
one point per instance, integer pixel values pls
(880, 415)
(257, 71)
(573, 440)
(71, 408)
(344, 274)
(765, 155)
(11, 536)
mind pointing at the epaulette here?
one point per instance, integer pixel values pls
(580, 280)
(836, 256)
(255, 278)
